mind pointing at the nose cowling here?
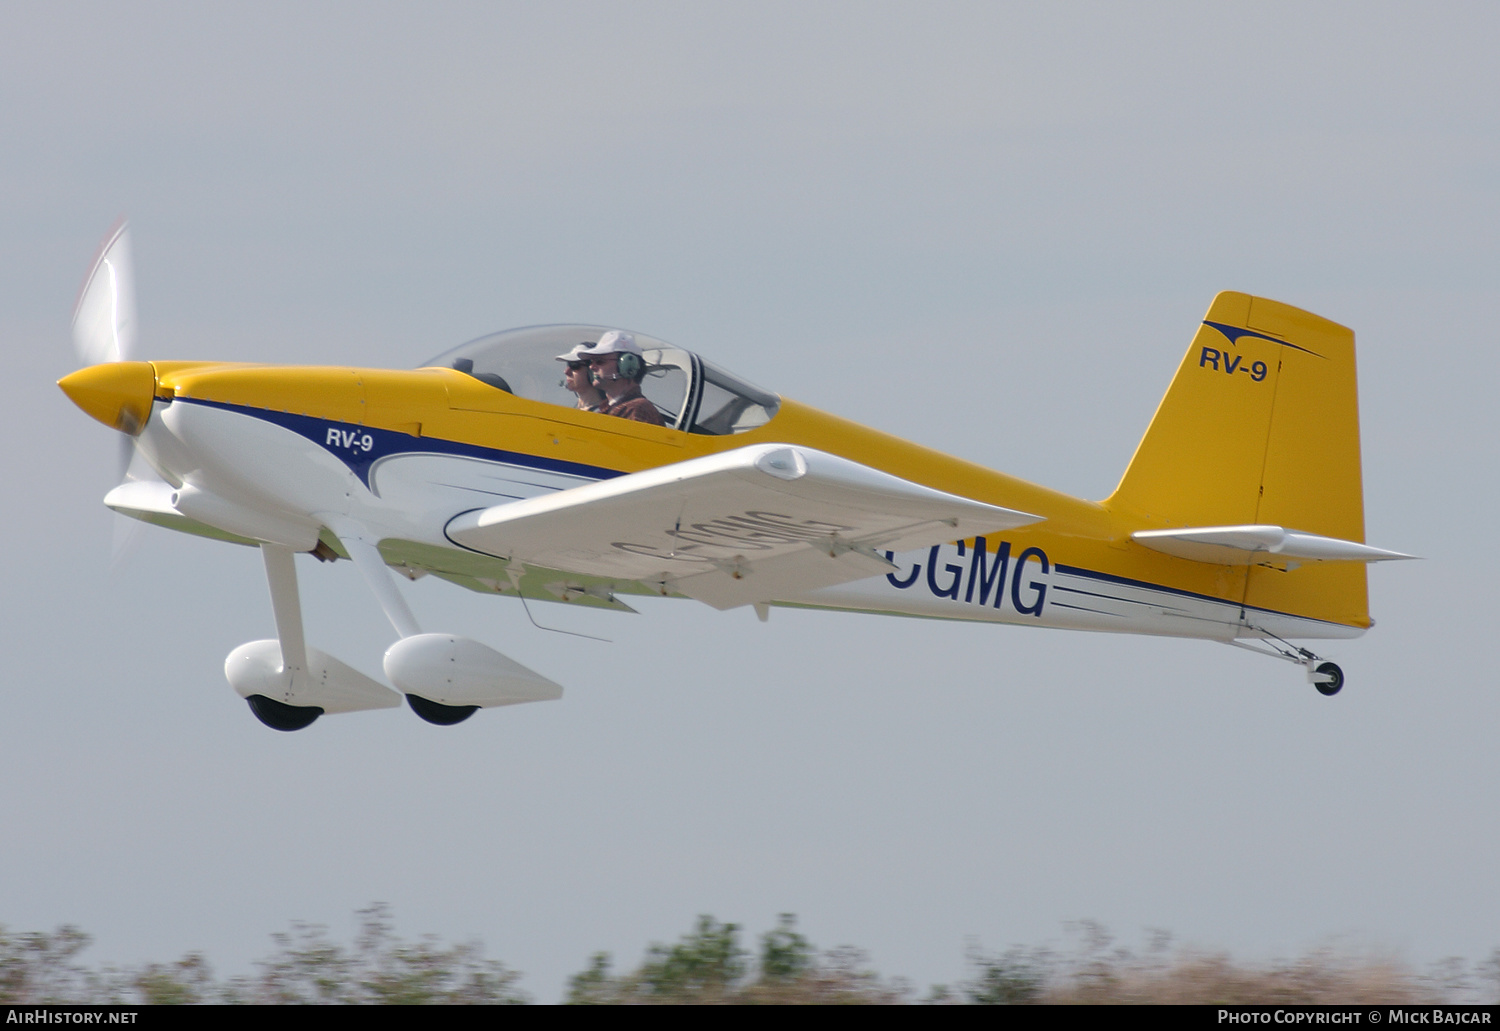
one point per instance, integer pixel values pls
(118, 394)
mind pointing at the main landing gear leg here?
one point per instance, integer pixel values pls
(1326, 676)
(281, 575)
(371, 565)
(287, 682)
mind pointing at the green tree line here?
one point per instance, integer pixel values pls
(711, 964)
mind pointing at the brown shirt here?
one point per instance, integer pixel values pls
(634, 407)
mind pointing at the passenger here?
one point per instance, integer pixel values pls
(576, 378)
(617, 367)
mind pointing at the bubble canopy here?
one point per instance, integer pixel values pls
(691, 394)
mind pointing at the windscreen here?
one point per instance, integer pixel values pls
(525, 362)
(690, 393)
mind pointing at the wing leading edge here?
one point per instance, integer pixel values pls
(755, 524)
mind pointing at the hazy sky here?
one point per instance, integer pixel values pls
(988, 228)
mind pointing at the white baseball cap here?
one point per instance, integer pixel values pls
(575, 355)
(613, 342)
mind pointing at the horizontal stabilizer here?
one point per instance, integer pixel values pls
(1247, 545)
(756, 524)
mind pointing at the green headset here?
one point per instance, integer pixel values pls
(631, 366)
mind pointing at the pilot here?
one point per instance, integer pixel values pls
(617, 367)
(577, 379)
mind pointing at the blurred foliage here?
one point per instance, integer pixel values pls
(39, 967)
(307, 968)
(785, 955)
(1011, 979)
(710, 965)
(1097, 970)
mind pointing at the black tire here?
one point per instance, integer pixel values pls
(281, 716)
(437, 712)
(1330, 687)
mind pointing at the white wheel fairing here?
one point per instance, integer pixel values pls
(458, 671)
(255, 668)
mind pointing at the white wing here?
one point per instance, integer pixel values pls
(751, 525)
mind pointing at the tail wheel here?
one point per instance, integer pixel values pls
(281, 716)
(1332, 686)
(436, 712)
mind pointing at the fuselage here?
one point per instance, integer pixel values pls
(256, 452)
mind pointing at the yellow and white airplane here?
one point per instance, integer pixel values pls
(1239, 519)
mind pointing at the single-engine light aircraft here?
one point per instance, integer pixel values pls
(1239, 519)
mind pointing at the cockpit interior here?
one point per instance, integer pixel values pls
(690, 393)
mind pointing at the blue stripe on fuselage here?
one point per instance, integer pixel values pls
(1161, 588)
(359, 447)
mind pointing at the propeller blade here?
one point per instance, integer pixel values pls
(124, 458)
(104, 318)
(133, 468)
(127, 531)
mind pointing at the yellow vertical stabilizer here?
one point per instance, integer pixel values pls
(1261, 426)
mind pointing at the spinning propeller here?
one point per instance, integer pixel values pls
(111, 387)
(104, 318)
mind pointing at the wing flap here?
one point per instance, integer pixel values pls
(754, 524)
(1247, 545)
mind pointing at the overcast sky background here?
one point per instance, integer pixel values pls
(988, 228)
